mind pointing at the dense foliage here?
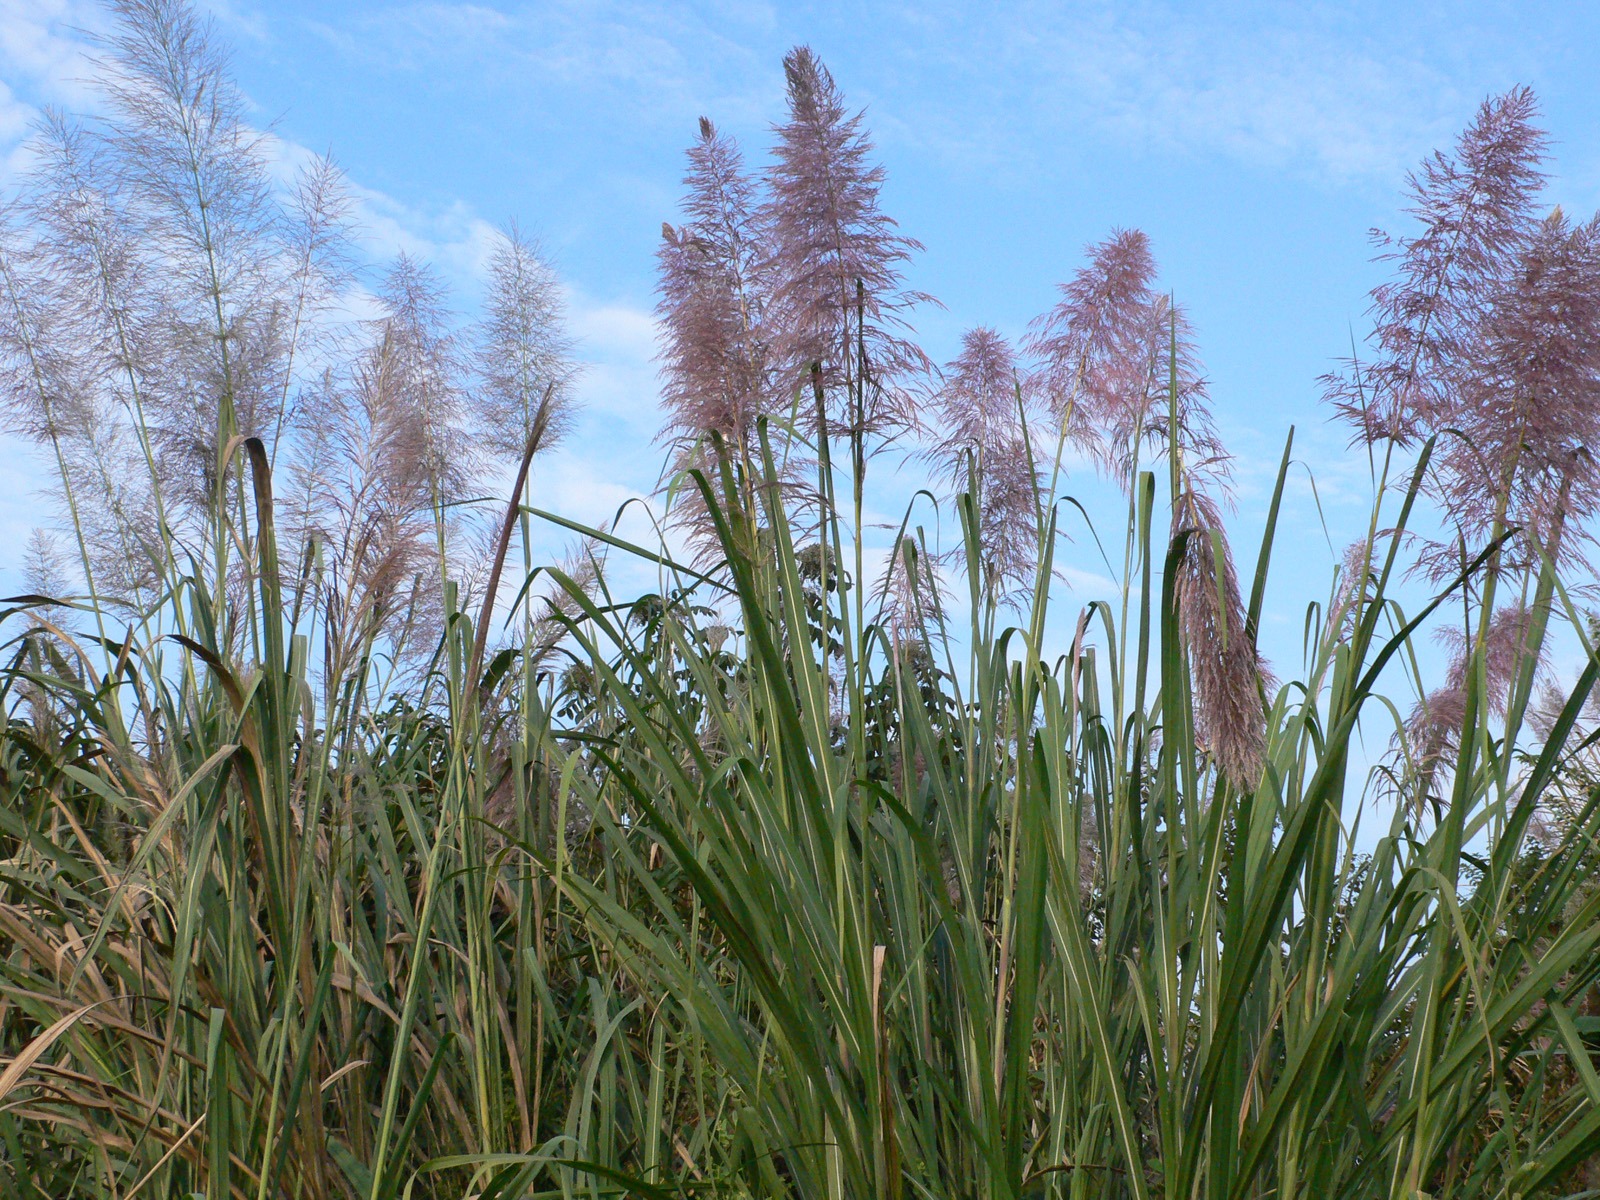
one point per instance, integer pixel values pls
(326, 871)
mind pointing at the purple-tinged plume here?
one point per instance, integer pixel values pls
(1228, 672)
(1121, 375)
(1435, 726)
(1475, 208)
(1114, 353)
(981, 407)
(1488, 337)
(836, 259)
(1525, 419)
(712, 302)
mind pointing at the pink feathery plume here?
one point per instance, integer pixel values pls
(1095, 344)
(1354, 588)
(981, 408)
(1475, 208)
(1435, 725)
(1519, 450)
(712, 301)
(1114, 353)
(1120, 371)
(1489, 337)
(836, 258)
(1228, 672)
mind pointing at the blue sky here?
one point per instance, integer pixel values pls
(1255, 143)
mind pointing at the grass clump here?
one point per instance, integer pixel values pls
(778, 880)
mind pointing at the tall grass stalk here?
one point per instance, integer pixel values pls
(321, 876)
(754, 914)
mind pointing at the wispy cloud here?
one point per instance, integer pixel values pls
(1319, 88)
(1305, 87)
(45, 58)
(645, 59)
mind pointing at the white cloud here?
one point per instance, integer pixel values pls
(1292, 86)
(627, 331)
(642, 60)
(1305, 87)
(44, 59)
(238, 17)
(454, 239)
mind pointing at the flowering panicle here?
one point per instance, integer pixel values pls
(382, 451)
(416, 366)
(1475, 208)
(713, 308)
(1527, 414)
(1489, 338)
(194, 186)
(1353, 588)
(318, 270)
(164, 292)
(43, 396)
(1229, 673)
(525, 371)
(1095, 343)
(52, 391)
(189, 296)
(1115, 354)
(1120, 373)
(981, 406)
(836, 258)
(1434, 727)
(909, 595)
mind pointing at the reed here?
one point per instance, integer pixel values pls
(777, 881)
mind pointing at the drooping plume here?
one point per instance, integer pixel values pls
(1228, 671)
(836, 259)
(981, 406)
(58, 375)
(42, 395)
(1121, 374)
(1095, 343)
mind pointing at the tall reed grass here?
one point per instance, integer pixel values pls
(772, 913)
(770, 882)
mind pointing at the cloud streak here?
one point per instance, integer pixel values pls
(1303, 87)
(1341, 94)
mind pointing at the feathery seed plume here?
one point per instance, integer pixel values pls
(981, 405)
(1121, 373)
(836, 259)
(524, 355)
(713, 298)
